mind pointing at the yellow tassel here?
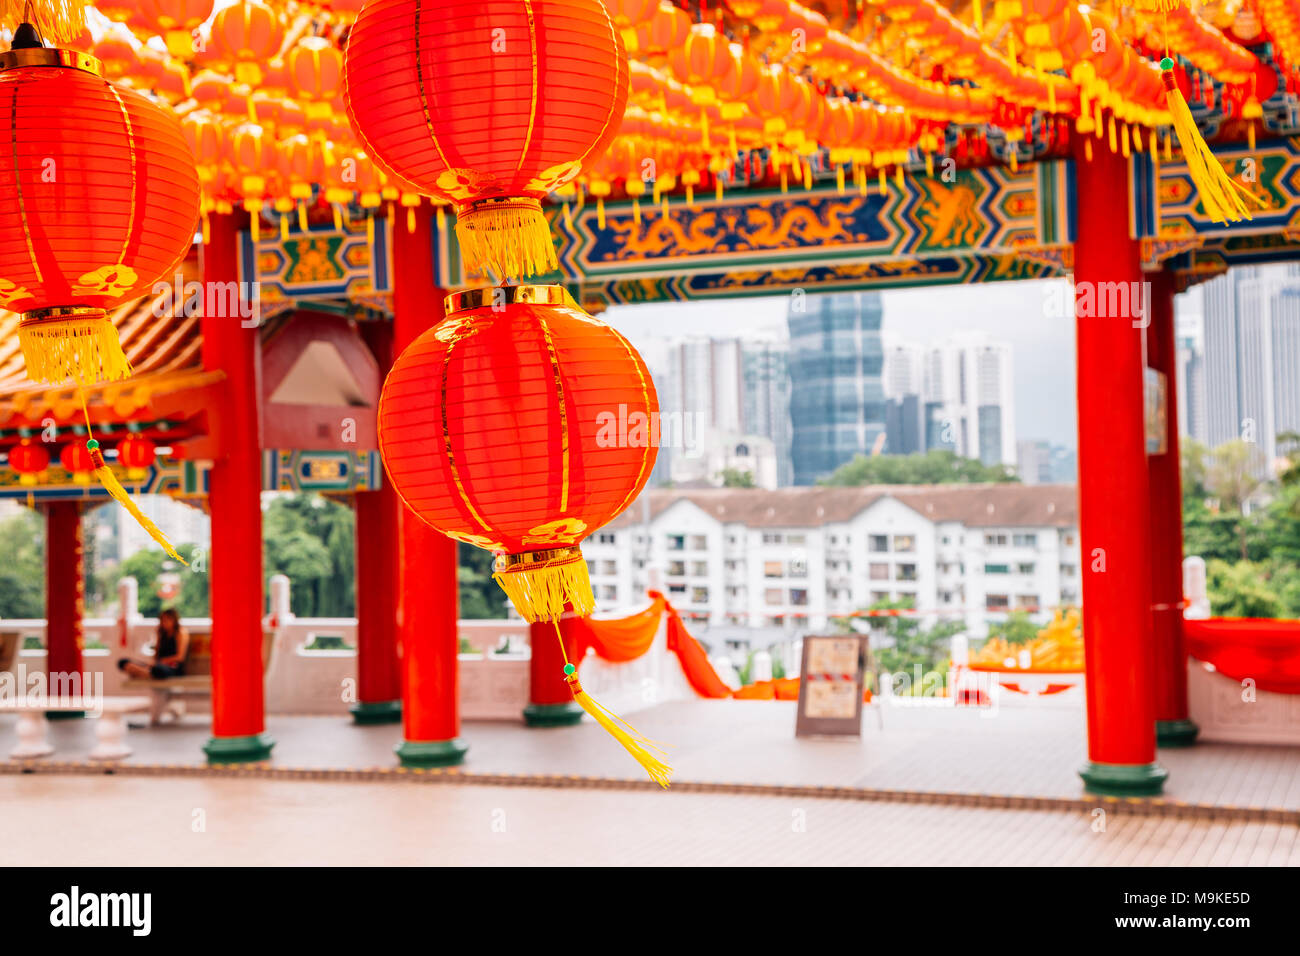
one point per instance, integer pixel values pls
(510, 236)
(1087, 150)
(977, 13)
(207, 230)
(60, 21)
(929, 165)
(1156, 6)
(284, 226)
(410, 219)
(542, 585)
(1219, 193)
(785, 186)
(338, 217)
(1169, 147)
(302, 216)
(370, 230)
(114, 488)
(880, 177)
(81, 345)
(641, 748)
(636, 210)
(717, 188)
(442, 218)
(600, 211)
(807, 175)
(839, 179)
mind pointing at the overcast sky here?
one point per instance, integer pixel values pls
(1010, 311)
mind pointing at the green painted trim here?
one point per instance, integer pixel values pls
(377, 712)
(1176, 733)
(431, 753)
(553, 715)
(1124, 779)
(64, 714)
(249, 749)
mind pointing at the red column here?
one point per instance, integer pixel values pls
(550, 700)
(64, 601)
(429, 594)
(235, 498)
(378, 513)
(1165, 507)
(1114, 534)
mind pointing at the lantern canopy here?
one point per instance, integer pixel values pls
(521, 427)
(490, 105)
(101, 199)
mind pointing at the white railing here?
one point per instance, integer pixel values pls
(302, 680)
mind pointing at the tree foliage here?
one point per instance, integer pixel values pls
(22, 572)
(935, 467)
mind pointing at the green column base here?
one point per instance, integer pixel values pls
(377, 712)
(248, 749)
(1176, 733)
(1123, 779)
(64, 714)
(553, 715)
(431, 753)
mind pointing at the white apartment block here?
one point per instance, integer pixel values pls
(797, 557)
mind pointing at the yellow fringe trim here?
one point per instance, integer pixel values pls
(84, 348)
(541, 592)
(1219, 193)
(1157, 6)
(511, 237)
(642, 749)
(60, 21)
(114, 488)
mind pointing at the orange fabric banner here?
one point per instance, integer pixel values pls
(1263, 649)
(618, 639)
(695, 663)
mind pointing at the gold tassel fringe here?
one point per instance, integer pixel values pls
(82, 346)
(509, 236)
(640, 747)
(114, 488)
(546, 584)
(1219, 193)
(1157, 6)
(60, 21)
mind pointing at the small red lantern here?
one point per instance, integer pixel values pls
(521, 424)
(102, 199)
(77, 460)
(28, 459)
(488, 104)
(247, 34)
(136, 454)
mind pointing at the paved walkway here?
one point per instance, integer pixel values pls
(82, 820)
(1017, 751)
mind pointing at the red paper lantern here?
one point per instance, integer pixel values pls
(176, 20)
(489, 104)
(77, 460)
(136, 454)
(28, 459)
(247, 34)
(521, 427)
(102, 199)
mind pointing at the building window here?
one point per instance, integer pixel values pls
(798, 597)
(1068, 570)
(678, 589)
(995, 540)
(1026, 601)
(904, 542)
(773, 569)
(1024, 540)
(907, 572)
(700, 569)
(609, 592)
(676, 542)
(878, 597)
(1068, 539)
(947, 539)
(997, 569)
(699, 595)
(798, 569)
(945, 597)
(699, 542)
(1025, 567)
(878, 543)
(605, 537)
(879, 572)
(677, 569)
(798, 540)
(996, 602)
(773, 596)
(773, 537)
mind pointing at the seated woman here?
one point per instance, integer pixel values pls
(169, 649)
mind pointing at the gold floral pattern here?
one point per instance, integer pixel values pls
(11, 291)
(463, 185)
(478, 540)
(558, 529)
(454, 329)
(549, 180)
(109, 281)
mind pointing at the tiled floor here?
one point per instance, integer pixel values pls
(210, 821)
(1015, 751)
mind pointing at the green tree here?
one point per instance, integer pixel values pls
(901, 644)
(935, 467)
(1018, 628)
(311, 539)
(736, 478)
(1243, 589)
(1194, 458)
(148, 565)
(1288, 445)
(480, 596)
(22, 572)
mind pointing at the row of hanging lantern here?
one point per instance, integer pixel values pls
(1282, 20)
(31, 459)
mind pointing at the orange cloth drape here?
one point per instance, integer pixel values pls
(695, 663)
(620, 639)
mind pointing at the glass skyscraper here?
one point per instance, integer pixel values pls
(837, 400)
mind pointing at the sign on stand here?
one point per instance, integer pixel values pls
(830, 692)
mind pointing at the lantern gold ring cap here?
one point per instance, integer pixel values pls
(503, 295)
(51, 56)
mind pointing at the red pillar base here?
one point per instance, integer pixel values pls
(1124, 779)
(550, 701)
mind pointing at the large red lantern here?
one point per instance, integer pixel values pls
(28, 459)
(521, 424)
(489, 104)
(102, 199)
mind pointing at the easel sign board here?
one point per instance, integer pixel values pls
(830, 691)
